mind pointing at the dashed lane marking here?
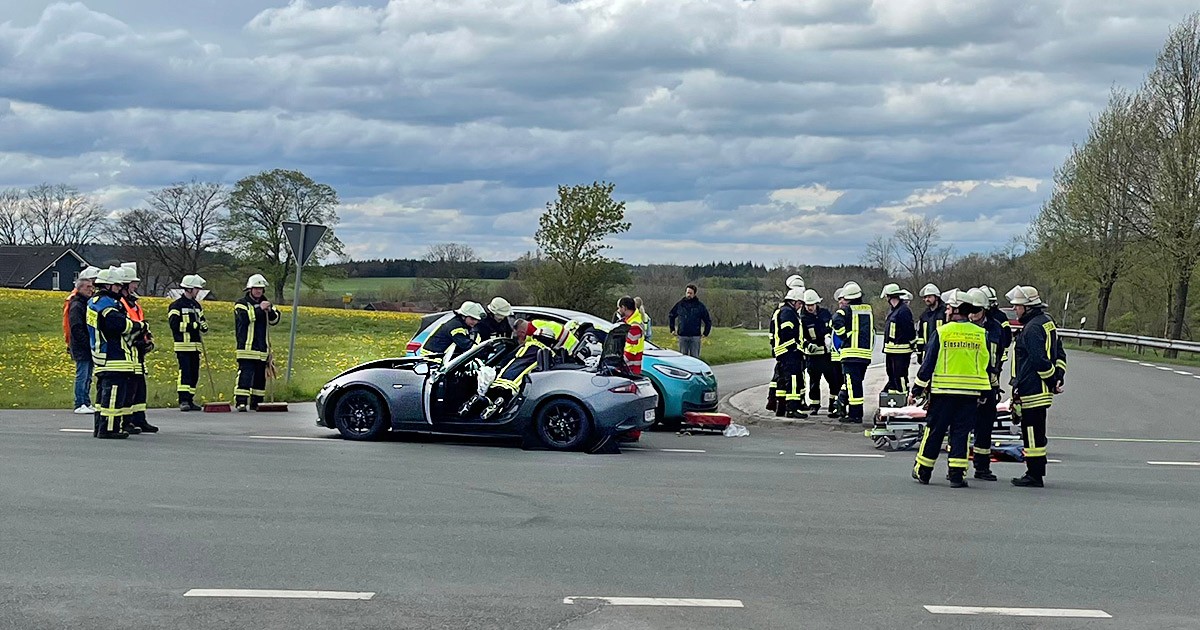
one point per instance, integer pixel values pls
(77, 430)
(659, 601)
(854, 455)
(1131, 440)
(1182, 373)
(274, 594)
(1174, 463)
(1019, 612)
(288, 437)
(682, 450)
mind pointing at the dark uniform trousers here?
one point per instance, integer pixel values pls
(137, 396)
(773, 388)
(821, 366)
(897, 365)
(855, 371)
(789, 383)
(947, 413)
(114, 395)
(251, 382)
(189, 375)
(1033, 436)
(985, 421)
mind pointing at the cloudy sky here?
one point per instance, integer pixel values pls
(734, 129)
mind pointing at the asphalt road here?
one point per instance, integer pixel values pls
(451, 535)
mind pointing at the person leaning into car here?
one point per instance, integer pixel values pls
(496, 321)
(456, 332)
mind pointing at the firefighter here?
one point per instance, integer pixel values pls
(994, 312)
(496, 321)
(1039, 370)
(855, 325)
(933, 317)
(251, 317)
(955, 375)
(635, 340)
(985, 417)
(186, 318)
(510, 378)
(837, 406)
(456, 334)
(814, 321)
(143, 343)
(899, 336)
(789, 358)
(110, 333)
(793, 282)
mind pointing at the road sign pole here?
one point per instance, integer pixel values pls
(295, 306)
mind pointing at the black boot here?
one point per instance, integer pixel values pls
(795, 409)
(833, 409)
(922, 474)
(956, 478)
(1028, 482)
(983, 470)
(129, 427)
(144, 426)
(771, 400)
(780, 408)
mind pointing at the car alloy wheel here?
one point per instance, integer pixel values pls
(359, 415)
(563, 425)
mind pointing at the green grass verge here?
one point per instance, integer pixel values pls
(36, 372)
(1149, 355)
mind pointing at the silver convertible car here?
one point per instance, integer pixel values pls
(564, 404)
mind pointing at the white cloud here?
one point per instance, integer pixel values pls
(728, 126)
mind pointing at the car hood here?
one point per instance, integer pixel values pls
(679, 360)
(397, 363)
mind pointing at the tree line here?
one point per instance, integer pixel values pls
(181, 228)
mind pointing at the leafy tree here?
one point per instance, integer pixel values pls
(258, 207)
(571, 270)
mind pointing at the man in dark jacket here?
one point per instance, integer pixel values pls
(899, 335)
(251, 316)
(496, 322)
(457, 332)
(690, 321)
(815, 325)
(186, 317)
(1038, 372)
(79, 343)
(933, 317)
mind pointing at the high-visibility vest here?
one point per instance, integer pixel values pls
(635, 343)
(861, 333)
(962, 360)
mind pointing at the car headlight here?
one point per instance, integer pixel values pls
(672, 372)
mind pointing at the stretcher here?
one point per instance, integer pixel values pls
(697, 422)
(899, 429)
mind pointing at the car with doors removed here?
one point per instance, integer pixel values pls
(564, 404)
(684, 384)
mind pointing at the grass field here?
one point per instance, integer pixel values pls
(37, 372)
(379, 288)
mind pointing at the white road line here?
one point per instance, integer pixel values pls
(1053, 461)
(288, 437)
(660, 601)
(77, 430)
(1146, 364)
(1174, 463)
(682, 450)
(1019, 612)
(270, 594)
(1133, 440)
(856, 455)
(1182, 373)
(1163, 368)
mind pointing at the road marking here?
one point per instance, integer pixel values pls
(1174, 463)
(682, 450)
(1053, 461)
(660, 601)
(858, 455)
(77, 430)
(1163, 368)
(1135, 440)
(1019, 612)
(1182, 373)
(1146, 364)
(288, 437)
(270, 594)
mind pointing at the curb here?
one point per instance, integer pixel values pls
(747, 406)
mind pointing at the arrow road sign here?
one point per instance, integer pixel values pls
(303, 238)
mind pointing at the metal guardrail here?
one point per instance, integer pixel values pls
(1131, 340)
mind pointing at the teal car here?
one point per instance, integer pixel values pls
(683, 383)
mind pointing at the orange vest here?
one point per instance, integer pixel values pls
(134, 312)
(67, 317)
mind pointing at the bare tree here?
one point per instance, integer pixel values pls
(14, 229)
(57, 214)
(917, 244)
(881, 254)
(453, 273)
(178, 226)
(1173, 89)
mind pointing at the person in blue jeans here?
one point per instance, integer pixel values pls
(79, 344)
(690, 321)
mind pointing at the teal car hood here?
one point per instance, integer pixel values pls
(676, 359)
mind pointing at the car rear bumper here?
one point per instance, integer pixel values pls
(637, 413)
